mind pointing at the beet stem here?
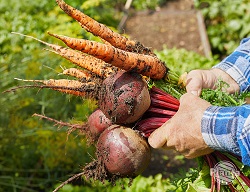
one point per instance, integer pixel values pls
(163, 104)
(160, 111)
(167, 97)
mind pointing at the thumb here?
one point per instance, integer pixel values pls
(194, 84)
(158, 138)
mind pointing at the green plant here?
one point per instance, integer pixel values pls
(181, 60)
(148, 4)
(150, 184)
(34, 154)
(226, 22)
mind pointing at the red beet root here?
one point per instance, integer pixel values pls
(97, 123)
(123, 151)
(124, 97)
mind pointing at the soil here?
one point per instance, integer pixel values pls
(177, 24)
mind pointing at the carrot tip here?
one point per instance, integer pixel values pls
(51, 34)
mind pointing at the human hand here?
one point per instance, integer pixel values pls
(183, 131)
(198, 79)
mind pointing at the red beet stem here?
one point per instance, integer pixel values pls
(211, 163)
(163, 107)
(151, 123)
(162, 95)
(147, 126)
(164, 99)
(163, 104)
(158, 111)
(242, 176)
(232, 188)
(235, 176)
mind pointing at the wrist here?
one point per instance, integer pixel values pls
(218, 130)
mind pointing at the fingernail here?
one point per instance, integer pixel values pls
(194, 93)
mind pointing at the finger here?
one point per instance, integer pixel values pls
(167, 147)
(193, 154)
(194, 85)
(158, 138)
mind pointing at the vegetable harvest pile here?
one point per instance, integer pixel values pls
(135, 93)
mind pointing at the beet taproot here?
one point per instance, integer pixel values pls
(97, 123)
(124, 97)
(123, 151)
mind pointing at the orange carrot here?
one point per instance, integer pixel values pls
(70, 86)
(85, 61)
(93, 26)
(88, 62)
(102, 31)
(73, 87)
(78, 73)
(147, 65)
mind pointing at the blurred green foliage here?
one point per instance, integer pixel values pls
(140, 184)
(148, 4)
(181, 60)
(34, 154)
(227, 23)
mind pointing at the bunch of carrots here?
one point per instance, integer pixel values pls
(96, 62)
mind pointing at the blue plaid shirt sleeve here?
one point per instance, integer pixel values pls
(228, 128)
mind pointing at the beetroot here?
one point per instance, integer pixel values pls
(97, 123)
(124, 97)
(123, 151)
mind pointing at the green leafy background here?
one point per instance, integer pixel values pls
(34, 154)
